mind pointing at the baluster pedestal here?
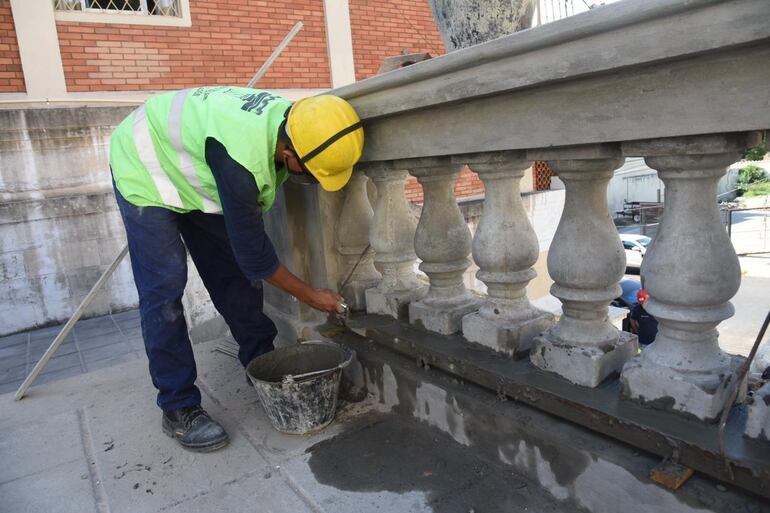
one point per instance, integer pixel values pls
(691, 272)
(586, 260)
(392, 238)
(352, 239)
(443, 242)
(505, 248)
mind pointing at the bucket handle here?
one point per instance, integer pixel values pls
(291, 378)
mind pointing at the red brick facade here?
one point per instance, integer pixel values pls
(468, 184)
(228, 41)
(11, 75)
(226, 44)
(382, 29)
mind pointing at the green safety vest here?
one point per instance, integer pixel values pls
(157, 153)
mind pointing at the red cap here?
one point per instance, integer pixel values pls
(642, 296)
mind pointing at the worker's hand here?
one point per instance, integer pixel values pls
(325, 300)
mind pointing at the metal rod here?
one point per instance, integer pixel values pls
(68, 326)
(739, 377)
(278, 49)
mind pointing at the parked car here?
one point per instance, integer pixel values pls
(636, 247)
(627, 298)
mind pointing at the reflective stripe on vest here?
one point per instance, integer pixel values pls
(186, 165)
(146, 150)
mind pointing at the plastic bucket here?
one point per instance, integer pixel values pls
(298, 385)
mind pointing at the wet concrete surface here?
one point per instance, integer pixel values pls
(397, 455)
(599, 409)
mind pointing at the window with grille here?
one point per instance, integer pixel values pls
(140, 7)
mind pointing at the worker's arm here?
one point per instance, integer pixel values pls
(320, 299)
(252, 247)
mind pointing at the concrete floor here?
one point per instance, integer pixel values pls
(93, 443)
(93, 344)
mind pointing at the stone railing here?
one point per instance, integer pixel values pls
(672, 81)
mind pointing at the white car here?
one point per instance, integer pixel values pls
(636, 247)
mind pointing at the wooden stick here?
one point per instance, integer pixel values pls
(278, 49)
(69, 325)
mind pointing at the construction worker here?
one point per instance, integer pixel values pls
(642, 323)
(196, 169)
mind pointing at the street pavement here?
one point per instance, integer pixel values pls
(752, 302)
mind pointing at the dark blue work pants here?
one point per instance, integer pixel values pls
(159, 263)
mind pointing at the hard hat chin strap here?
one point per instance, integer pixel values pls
(331, 140)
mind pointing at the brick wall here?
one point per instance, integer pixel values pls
(382, 29)
(227, 43)
(468, 184)
(11, 76)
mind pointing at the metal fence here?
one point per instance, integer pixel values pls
(139, 7)
(749, 229)
(638, 217)
(552, 10)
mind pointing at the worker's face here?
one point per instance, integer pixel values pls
(292, 164)
(297, 170)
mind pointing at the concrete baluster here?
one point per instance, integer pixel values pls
(586, 260)
(392, 238)
(691, 272)
(505, 248)
(443, 243)
(352, 237)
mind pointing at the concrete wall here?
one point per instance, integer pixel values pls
(59, 224)
(53, 251)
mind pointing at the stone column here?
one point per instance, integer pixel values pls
(691, 272)
(443, 243)
(392, 238)
(505, 248)
(352, 238)
(586, 260)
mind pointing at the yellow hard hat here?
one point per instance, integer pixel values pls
(327, 135)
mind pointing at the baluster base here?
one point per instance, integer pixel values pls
(582, 364)
(394, 303)
(444, 317)
(693, 394)
(355, 294)
(758, 420)
(512, 338)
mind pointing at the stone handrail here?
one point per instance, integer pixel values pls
(674, 81)
(668, 65)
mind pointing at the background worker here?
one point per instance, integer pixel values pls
(193, 171)
(642, 323)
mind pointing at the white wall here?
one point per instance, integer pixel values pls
(633, 182)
